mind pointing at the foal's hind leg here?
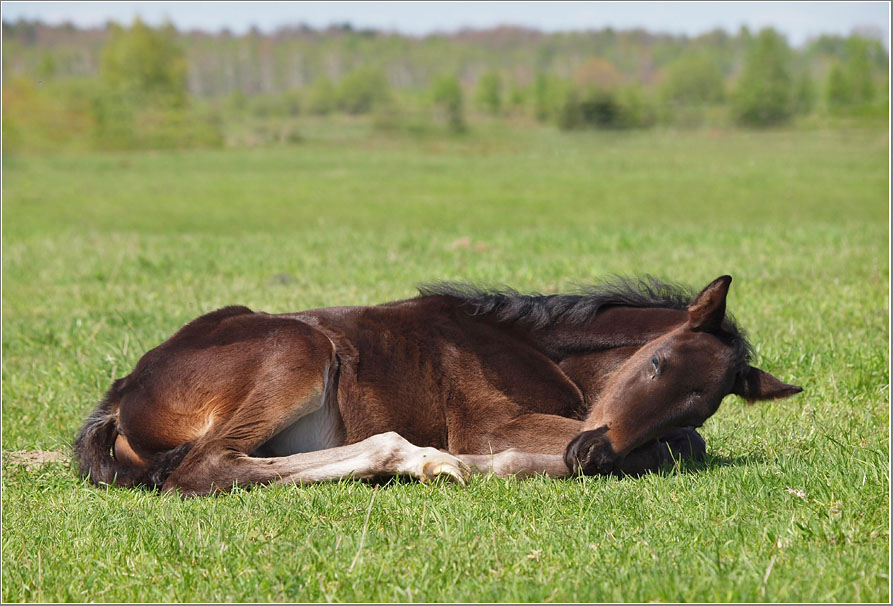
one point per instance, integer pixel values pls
(383, 454)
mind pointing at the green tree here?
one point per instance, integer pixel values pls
(516, 96)
(363, 89)
(837, 91)
(321, 96)
(599, 108)
(447, 94)
(804, 93)
(636, 110)
(764, 92)
(542, 107)
(143, 100)
(489, 92)
(859, 71)
(145, 64)
(693, 79)
(569, 114)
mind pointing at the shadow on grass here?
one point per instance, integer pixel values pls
(690, 467)
(390, 482)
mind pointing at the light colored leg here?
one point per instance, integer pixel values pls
(380, 455)
(517, 463)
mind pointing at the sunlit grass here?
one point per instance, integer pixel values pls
(106, 255)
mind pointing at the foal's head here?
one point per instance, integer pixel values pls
(676, 380)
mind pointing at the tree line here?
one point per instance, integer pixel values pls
(138, 86)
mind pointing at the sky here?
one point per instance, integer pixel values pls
(799, 21)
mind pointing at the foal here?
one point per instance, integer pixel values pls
(456, 380)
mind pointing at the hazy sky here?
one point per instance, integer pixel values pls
(798, 20)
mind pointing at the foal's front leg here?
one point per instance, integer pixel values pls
(678, 444)
(681, 444)
(517, 463)
(675, 445)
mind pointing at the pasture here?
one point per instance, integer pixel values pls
(105, 255)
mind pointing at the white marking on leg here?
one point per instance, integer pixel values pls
(379, 455)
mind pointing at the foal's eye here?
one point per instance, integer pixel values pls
(655, 366)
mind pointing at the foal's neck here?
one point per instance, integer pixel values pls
(611, 328)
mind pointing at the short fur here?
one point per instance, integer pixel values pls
(594, 377)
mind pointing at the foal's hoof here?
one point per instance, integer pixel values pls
(591, 453)
(429, 463)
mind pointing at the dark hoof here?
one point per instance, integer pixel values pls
(590, 453)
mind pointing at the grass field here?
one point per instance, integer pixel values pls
(104, 256)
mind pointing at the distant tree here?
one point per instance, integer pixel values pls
(236, 101)
(859, 72)
(516, 96)
(598, 72)
(541, 99)
(489, 92)
(145, 64)
(321, 96)
(447, 94)
(363, 89)
(804, 93)
(624, 107)
(764, 92)
(569, 114)
(599, 108)
(636, 110)
(47, 68)
(837, 90)
(143, 101)
(693, 79)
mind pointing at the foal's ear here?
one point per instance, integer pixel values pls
(709, 308)
(755, 384)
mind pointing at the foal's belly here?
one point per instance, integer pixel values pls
(315, 431)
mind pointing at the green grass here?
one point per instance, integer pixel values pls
(106, 255)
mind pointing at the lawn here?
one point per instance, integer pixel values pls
(105, 255)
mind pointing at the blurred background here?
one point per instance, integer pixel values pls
(110, 76)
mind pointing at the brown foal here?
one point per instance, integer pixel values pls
(457, 380)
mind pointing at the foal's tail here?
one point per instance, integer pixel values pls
(94, 449)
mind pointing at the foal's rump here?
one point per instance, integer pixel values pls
(233, 377)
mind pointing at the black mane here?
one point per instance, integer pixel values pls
(538, 310)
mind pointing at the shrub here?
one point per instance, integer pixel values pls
(362, 90)
(549, 97)
(489, 93)
(447, 95)
(321, 96)
(694, 79)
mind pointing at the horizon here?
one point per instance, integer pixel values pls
(799, 22)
